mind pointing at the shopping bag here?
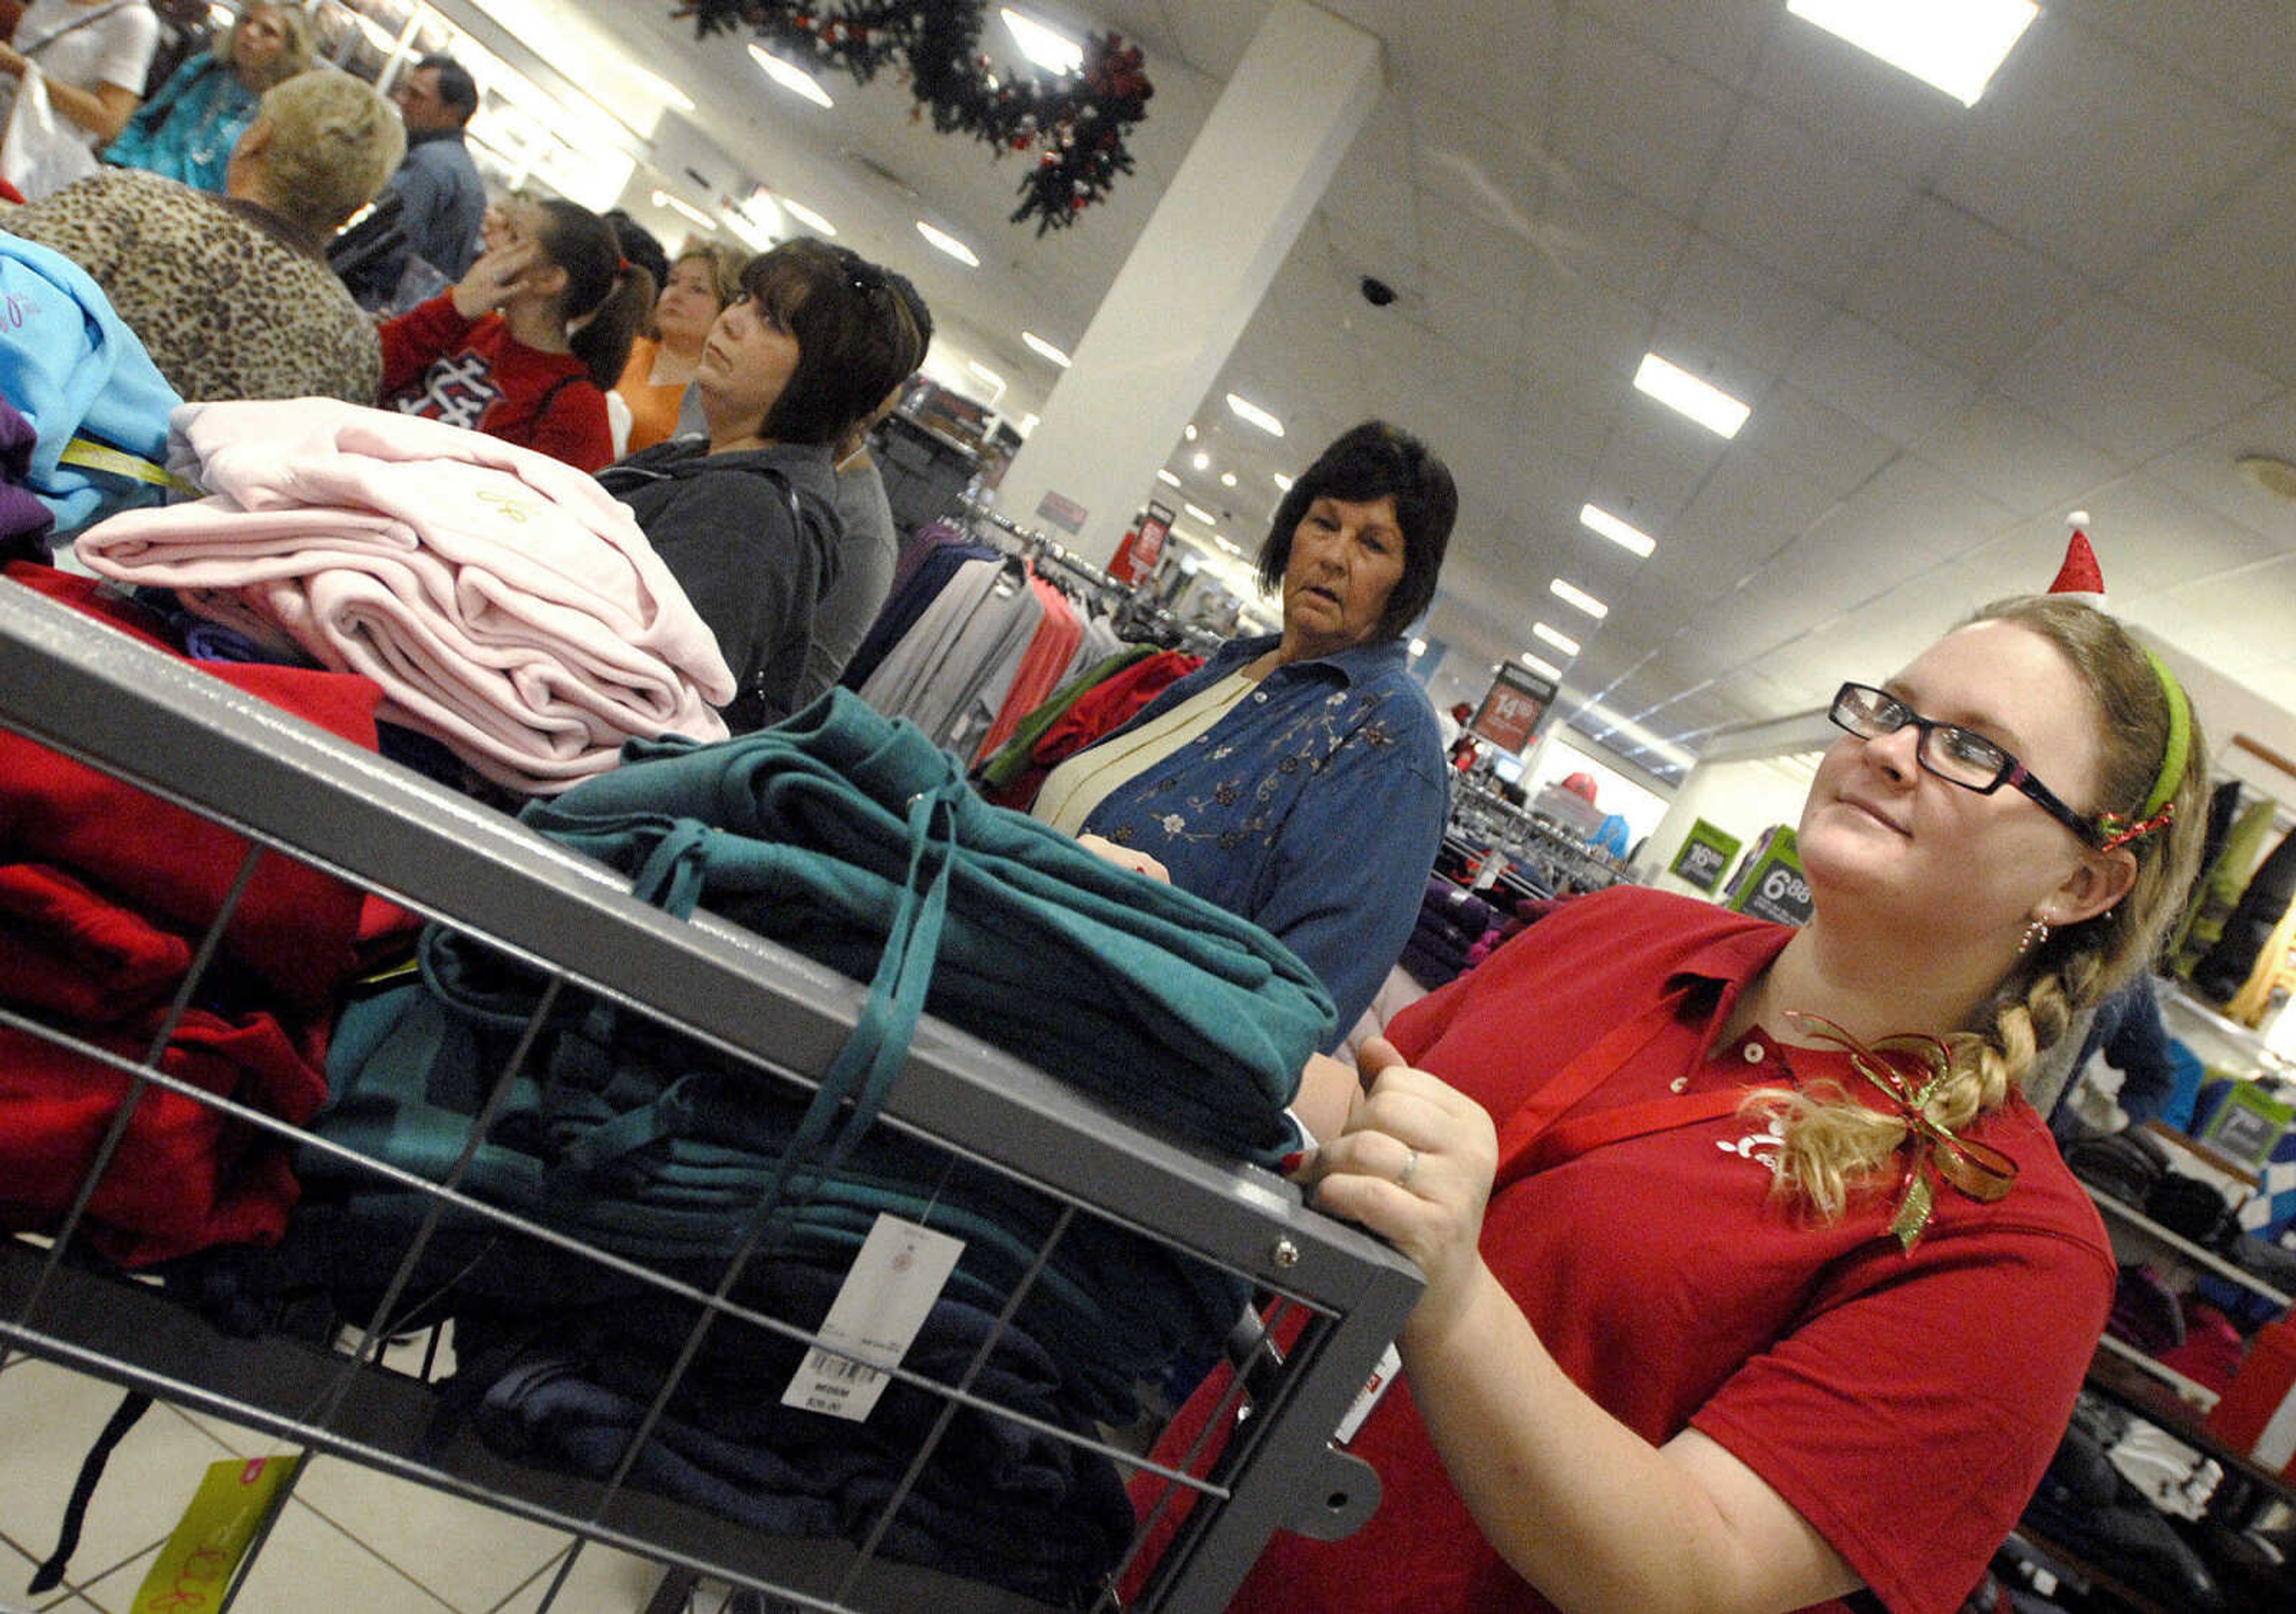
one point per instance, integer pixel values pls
(42, 150)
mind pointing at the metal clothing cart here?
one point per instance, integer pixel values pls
(75, 684)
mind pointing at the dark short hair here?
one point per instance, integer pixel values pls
(1368, 462)
(857, 336)
(457, 88)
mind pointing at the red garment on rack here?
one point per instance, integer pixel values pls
(186, 1175)
(295, 927)
(1102, 709)
(1047, 657)
(67, 950)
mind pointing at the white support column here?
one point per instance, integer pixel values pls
(1288, 114)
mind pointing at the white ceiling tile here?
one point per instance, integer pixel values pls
(1516, 55)
(2241, 49)
(1639, 120)
(2205, 471)
(1958, 290)
(2149, 539)
(2015, 457)
(2128, 384)
(1854, 99)
(1589, 226)
(1796, 202)
(1797, 432)
(1746, 511)
(1720, 39)
(2220, 283)
(1910, 520)
(1878, 380)
(2094, 154)
(1725, 300)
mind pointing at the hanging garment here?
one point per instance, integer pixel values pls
(507, 605)
(2232, 962)
(1041, 668)
(96, 402)
(976, 628)
(912, 595)
(1099, 704)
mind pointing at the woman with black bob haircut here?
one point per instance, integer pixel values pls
(746, 518)
(1297, 778)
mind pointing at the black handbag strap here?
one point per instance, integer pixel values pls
(750, 709)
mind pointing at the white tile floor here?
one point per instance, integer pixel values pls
(352, 1541)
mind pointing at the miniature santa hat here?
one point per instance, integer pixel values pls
(2080, 576)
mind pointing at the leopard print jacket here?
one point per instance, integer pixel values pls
(230, 301)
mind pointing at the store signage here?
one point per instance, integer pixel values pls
(1062, 512)
(1704, 854)
(1775, 889)
(1510, 713)
(1143, 546)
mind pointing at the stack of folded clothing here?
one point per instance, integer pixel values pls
(508, 606)
(1453, 921)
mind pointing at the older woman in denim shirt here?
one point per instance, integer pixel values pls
(1298, 778)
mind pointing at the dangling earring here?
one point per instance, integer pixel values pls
(2036, 933)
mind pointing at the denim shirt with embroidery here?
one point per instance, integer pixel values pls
(1313, 807)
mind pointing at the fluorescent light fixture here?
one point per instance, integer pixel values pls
(1632, 538)
(1637, 735)
(949, 244)
(988, 377)
(1227, 478)
(663, 199)
(1205, 516)
(1283, 482)
(1246, 410)
(1167, 477)
(757, 219)
(1225, 544)
(1418, 647)
(807, 217)
(661, 89)
(1189, 431)
(1029, 422)
(1544, 669)
(1043, 349)
(1570, 594)
(1046, 48)
(1563, 642)
(790, 77)
(1202, 462)
(1685, 394)
(1955, 45)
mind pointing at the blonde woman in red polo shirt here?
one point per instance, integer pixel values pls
(1750, 1320)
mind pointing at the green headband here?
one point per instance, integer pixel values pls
(2178, 752)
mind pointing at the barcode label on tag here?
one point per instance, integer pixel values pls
(876, 1317)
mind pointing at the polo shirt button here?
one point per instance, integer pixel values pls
(1680, 1084)
(1260, 694)
(1753, 1054)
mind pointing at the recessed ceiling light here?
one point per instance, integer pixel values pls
(1043, 349)
(1046, 48)
(1205, 516)
(1167, 477)
(1202, 462)
(1283, 482)
(1189, 431)
(948, 243)
(1955, 45)
(988, 376)
(1633, 538)
(1227, 478)
(1685, 394)
(1563, 642)
(1029, 422)
(676, 204)
(661, 89)
(1544, 669)
(1419, 647)
(1246, 410)
(807, 217)
(790, 77)
(1570, 594)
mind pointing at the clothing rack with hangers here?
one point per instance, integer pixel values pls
(293, 795)
(1481, 817)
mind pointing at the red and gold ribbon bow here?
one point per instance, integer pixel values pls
(1981, 1171)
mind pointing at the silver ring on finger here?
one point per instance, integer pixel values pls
(1410, 1166)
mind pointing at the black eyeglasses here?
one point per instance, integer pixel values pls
(1956, 755)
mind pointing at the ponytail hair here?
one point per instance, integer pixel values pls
(1834, 1144)
(606, 300)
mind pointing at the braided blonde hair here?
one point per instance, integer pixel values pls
(1832, 1144)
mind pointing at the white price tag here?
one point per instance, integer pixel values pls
(1391, 1364)
(886, 1298)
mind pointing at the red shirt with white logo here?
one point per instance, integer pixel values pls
(1905, 1404)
